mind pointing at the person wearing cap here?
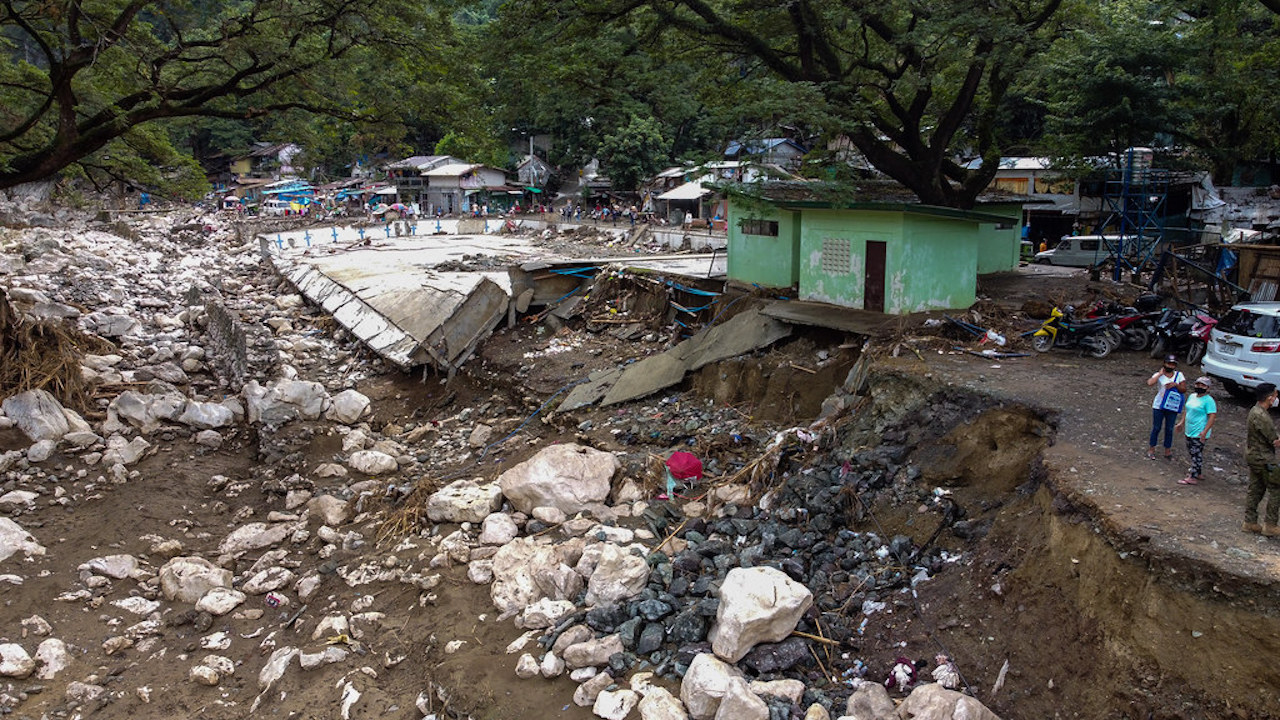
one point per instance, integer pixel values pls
(1260, 445)
(1167, 377)
(1197, 425)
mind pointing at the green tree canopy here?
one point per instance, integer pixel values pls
(83, 73)
(634, 152)
(912, 85)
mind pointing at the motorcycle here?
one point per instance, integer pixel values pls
(1136, 327)
(1179, 332)
(1096, 337)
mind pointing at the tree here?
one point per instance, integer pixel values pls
(912, 85)
(83, 73)
(1107, 85)
(634, 152)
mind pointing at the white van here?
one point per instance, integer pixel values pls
(1076, 251)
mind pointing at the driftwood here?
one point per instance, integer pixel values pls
(44, 356)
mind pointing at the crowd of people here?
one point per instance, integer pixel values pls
(1192, 413)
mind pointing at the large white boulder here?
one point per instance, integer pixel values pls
(498, 529)
(739, 703)
(464, 501)
(255, 536)
(870, 701)
(348, 406)
(53, 657)
(759, 604)
(568, 477)
(934, 702)
(618, 575)
(206, 415)
(592, 653)
(13, 539)
(372, 462)
(526, 570)
(37, 414)
(283, 401)
(659, 704)
(615, 704)
(187, 579)
(220, 601)
(14, 661)
(705, 685)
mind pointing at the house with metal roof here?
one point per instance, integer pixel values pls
(453, 188)
(874, 247)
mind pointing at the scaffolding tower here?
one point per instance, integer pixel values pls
(1134, 198)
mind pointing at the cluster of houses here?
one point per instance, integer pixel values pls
(877, 249)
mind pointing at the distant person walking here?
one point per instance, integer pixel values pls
(1165, 406)
(1260, 445)
(1197, 424)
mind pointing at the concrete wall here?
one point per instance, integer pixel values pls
(844, 285)
(930, 262)
(998, 249)
(761, 260)
(936, 268)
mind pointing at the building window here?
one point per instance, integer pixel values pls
(837, 256)
(767, 228)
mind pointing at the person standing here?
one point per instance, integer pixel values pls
(1260, 445)
(1168, 377)
(1197, 424)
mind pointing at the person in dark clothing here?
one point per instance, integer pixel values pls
(1260, 445)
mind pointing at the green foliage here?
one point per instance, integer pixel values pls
(86, 72)
(477, 148)
(634, 152)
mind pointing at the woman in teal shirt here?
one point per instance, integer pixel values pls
(1197, 422)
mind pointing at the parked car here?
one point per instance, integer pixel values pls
(1075, 251)
(1244, 347)
(274, 207)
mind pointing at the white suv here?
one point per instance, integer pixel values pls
(1244, 347)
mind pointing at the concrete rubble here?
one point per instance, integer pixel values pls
(282, 570)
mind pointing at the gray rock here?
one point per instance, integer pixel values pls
(348, 406)
(187, 579)
(464, 501)
(53, 658)
(568, 477)
(14, 661)
(13, 539)
(37, 414)
(40, 451)
(759, 604)
(372, 462)
(934, 702)
(592, 653)
(618, 575)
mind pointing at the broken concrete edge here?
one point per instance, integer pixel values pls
(745, 332)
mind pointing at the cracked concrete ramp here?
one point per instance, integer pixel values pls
(744, 333)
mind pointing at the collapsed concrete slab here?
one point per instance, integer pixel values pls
(406, 314)
(744, 333)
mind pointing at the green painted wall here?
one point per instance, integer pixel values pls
(843, 285)
(766, 261)
(998, 249)
(930, 262)
(936, 267)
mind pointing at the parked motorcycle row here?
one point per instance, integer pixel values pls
(1108, 326)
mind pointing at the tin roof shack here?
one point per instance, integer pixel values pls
(875, 247)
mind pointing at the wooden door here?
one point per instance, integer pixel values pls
(873, 283)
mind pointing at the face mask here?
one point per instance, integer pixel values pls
(1275, 401)
(1203, 390)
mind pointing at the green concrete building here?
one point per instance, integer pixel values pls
(876, 251)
